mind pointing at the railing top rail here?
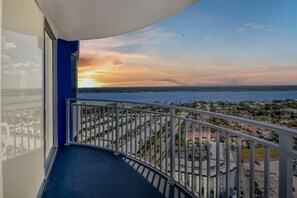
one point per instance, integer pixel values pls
(125, 108)
(280, 129)
(205, 124)
(232, 132)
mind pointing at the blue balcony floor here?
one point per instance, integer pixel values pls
(80, 171)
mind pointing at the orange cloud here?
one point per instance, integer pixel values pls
(147, 71)
(101, 65)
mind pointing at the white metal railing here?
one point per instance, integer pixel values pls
(24, 127)
(203, 158)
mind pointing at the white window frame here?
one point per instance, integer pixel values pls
(1, 179)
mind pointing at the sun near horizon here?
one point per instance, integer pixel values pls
(88, 83)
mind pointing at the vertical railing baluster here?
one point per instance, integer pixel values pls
(35, 130)
(28, 129)
(179, 151)
(113, 128)
(172, 144)
(238, 170)
(103, 117)
(150, 138)
(200, 161)
(208, 161)
(218, 159)
(95, 125)
(67, 121)
(227, 149)
(40, 127)
(131, 124)
(126, 133)
(86, 126)
(155, 135)
(193, 159)
(22, 135)
(135, 134)
(266, 172)
(161, 142)
(76, 123)
(166, 144)
(99, 126)
(117, 127)
(186, 155)
(285, 166)
(145, 134)
(90, 125)
(140, 137)
(6, 119)
(252, 169)
(81, 124)
(108, 128)
(122, 130)
(14, 135)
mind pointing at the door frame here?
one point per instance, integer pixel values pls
(1, 178)
(48, 161)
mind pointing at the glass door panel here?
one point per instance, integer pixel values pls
(21, 112)
(49, 137)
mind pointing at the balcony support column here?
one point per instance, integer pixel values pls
(285, 166)
(65, 75)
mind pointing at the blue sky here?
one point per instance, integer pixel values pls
(214, 42)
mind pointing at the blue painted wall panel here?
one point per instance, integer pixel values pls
(66, 82)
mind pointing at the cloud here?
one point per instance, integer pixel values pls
(27, 74)
(241, 29)
(98, 60)
(142, 70)
(257, 26)
(147, 36)
(219, 63)
(7, 45)
(254, 25)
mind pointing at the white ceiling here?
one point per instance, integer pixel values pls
(91, 19)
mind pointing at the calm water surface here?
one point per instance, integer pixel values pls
(179, 97)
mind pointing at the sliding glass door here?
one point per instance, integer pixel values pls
(21, 95)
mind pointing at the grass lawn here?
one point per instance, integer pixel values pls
(259, 154)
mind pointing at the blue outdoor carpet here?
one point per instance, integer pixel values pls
(88, 172)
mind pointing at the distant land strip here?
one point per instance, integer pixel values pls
(242, 88)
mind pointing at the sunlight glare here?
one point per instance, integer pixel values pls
(88, 82)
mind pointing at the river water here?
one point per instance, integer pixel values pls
(181, 97)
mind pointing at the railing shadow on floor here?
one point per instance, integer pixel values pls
(158, 181)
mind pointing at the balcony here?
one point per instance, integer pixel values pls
(88, 172)
(118, 148)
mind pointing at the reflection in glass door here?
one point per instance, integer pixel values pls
(48, 49)
(21, 112)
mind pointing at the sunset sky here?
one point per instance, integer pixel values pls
(215, 42)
